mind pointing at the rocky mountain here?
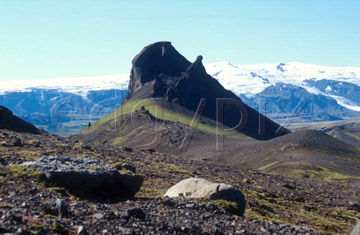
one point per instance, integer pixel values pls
(148, 120)
(334, 87)
(161, 163)
(159, 71)
(179, 96)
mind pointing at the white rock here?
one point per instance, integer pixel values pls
(202, 188)
(356, 230)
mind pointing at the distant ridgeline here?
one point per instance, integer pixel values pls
(294, 91)
(61, 112)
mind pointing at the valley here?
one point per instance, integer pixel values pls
(175, 121)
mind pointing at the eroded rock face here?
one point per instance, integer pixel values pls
(155, 68)
(88, 176)
(202, 188)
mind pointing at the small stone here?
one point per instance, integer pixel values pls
(33, 190)
(62, 207)
(354, 206)
(19, 231)
(211, 207)
(98, 216)
(247, 181)
(81, 230)
(16, 142)
(129, 167)
(136, 213)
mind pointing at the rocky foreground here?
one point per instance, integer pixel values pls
(275, 205)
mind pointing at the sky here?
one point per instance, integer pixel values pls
(42, 39)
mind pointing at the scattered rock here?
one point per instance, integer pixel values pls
(129, 167)
(202, 188)
(81, 230)
(88, 176)
(246, 181)
(136, 213)
(98, 216)
(62, 207)
(354, 206)
(14, 141)
(127, 149)
(87, 147)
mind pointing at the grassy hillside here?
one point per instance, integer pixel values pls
(167, 114)
(303, 154)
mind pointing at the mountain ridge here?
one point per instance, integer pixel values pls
(159, 71)
(262, 87)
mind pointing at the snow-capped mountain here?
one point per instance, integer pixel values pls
(66, 105)
(78, 85)
(250, 80)
(307, 92)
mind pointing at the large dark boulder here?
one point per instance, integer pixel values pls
(88, 177)
(10, 122)
(159, 71)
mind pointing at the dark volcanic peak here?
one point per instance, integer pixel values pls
(160, 64)
(10, 122)
(159, 71)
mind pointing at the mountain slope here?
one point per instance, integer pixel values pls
(149, 120)
(304, 153)
(163, 78)
(348, 132)
(9, 121)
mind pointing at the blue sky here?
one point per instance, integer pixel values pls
(47, 39)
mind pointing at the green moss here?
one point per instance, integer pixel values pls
(133, 133)
(117, 165)
(267, 206)
(148, 193)
(56, 227)
(59, 190)
(91, 167)
(3, 171)
(308, 170)
(170, 168)
(355, 135)
(228, 206)
(28, 155)
(6, 205)
(20, 171)
(267, 166)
